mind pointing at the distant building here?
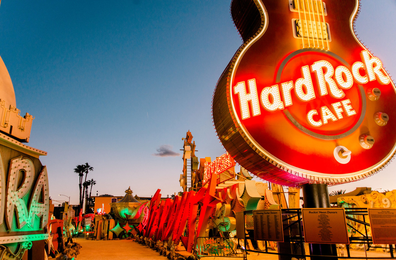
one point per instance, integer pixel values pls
(103, 201)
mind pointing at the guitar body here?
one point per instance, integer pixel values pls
(302, 100)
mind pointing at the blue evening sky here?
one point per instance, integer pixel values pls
(111, 82)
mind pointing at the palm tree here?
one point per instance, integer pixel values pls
(92, 182)
(87, 168)
(89, 200)
(80, 171)
(86, 185)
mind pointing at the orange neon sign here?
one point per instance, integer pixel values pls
(301, 103)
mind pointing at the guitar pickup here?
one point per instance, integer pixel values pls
(308, 29)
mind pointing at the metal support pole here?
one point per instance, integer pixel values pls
(349, 253)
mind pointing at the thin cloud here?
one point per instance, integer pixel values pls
(166, 151)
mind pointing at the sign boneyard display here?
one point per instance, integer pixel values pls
(302, 100)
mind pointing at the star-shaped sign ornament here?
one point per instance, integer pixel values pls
(128, 228)
(117, 230)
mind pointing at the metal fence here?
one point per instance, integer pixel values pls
(295, 247)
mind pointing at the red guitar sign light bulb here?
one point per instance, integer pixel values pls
(303, 101)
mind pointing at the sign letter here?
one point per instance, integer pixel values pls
(244, 98)
(24, 169)
(37, 207)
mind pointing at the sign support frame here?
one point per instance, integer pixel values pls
(317, 196)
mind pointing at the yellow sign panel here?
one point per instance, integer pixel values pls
(383, 225)
(268, 225)
(325, 226)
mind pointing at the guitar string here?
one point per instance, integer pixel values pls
(306, 10)
(314, 28)
(311, 22)
(309, 26)
(301, 23)
(305, 18)
(317, 23)
(325, 26)
(320, 25)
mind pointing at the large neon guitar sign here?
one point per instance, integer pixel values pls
(303, 101)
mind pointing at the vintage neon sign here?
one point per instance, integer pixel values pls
(218, 166)
(24, 201)
(330, 82)
(299, 104)
(167, 220)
